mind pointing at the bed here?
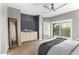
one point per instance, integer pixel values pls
(57, 46)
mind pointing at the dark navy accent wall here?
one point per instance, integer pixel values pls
(29, 23)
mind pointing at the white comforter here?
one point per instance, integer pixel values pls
(63, 48)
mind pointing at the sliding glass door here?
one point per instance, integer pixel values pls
(62, 29)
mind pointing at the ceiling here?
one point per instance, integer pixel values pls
(38, 9)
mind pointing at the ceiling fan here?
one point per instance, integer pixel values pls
(52, 8)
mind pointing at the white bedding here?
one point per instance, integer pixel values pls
(76, 51)
(63, 48)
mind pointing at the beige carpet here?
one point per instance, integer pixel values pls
(24, 49)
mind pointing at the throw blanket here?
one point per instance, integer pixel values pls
(44, 47)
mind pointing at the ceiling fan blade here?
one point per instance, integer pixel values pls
(47, 7)
(52, 9)
(60, 6)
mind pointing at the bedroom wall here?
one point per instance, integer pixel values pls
(3, 29)
(46, 30)
(0, 30)
(74, 15)
(40, 27)
(15, 13)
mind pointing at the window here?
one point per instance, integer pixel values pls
(62, 29)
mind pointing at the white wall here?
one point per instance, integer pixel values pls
(46, 30)
(40, 27)
(0, 29)
(3, 28)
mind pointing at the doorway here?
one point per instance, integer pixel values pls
(12, 32)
